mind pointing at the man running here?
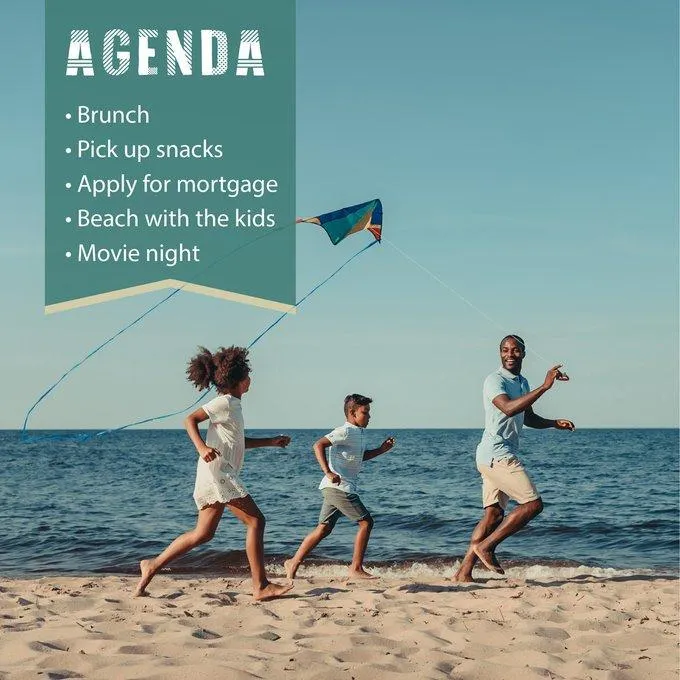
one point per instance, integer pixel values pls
(507, 405)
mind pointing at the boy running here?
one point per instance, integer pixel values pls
(347, 450)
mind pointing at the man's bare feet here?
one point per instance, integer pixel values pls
(488, 559)
(462, 578)
(271, 591)
(146, 567)
(291, 569)
(360, 573)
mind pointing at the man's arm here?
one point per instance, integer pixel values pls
(532, 419)
(511, 407)
(383, 448)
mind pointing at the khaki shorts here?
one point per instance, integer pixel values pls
(505, 479)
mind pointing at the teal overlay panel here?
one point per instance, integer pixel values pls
(178, 175)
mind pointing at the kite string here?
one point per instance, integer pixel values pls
(139, 318)
(459, 295)
(85, 436)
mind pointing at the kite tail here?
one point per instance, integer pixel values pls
(85, 436)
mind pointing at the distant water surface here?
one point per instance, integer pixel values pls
(611, 501)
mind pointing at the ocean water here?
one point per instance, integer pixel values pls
(611, 503)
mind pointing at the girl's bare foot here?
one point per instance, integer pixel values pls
(291, 568)
(360, 573)
(488, 559)
(146, 567)
(270, 591)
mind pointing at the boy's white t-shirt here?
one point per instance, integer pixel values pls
(345, 457)
(226, 431)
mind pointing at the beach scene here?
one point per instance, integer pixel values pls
(480, 372)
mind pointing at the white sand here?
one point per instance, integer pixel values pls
(622, 628)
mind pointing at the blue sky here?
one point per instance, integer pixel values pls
(526, 155)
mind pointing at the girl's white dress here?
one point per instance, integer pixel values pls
(218, 481)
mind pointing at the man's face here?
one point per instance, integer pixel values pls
(512, 355)
(360, 415)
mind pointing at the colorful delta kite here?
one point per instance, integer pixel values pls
(346, 221)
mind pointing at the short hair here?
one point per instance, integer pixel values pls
(352, 401)
(516, 338)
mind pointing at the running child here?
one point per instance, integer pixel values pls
(347, 450)
(220, 461)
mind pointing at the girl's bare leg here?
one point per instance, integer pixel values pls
(208, 519)
(247, 511)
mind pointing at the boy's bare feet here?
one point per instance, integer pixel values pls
(360, 573)
(291, 569)
(146, 567)
(488, 559)
(270, 591)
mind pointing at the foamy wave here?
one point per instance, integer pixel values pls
(423, 571)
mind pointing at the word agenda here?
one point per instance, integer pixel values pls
(179, 53)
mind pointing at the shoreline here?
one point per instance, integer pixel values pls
(587, 627)
(431, 568)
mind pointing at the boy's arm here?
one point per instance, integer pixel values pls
(255, 442)
(191, 424)
(383, 448)
(320, 447)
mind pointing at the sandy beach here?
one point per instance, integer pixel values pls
(397, 626)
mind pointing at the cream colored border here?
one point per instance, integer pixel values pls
(169, 283)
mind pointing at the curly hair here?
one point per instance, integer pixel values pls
(227, 367)
(353, 401)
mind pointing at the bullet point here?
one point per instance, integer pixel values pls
(68, 219)
(68, 253)
(68, 149)
(68, 185)
(68, 116)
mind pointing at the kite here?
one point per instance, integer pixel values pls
(341, 223)
(338, 224)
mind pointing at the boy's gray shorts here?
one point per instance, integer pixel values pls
(336, 503)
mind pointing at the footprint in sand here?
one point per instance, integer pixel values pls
(136, 649)
(172, 596)
(39, 646)
(552, 633)
(203, 634)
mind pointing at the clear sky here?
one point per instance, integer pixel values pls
(526, 154)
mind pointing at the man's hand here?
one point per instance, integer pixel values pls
(564, 425)
(282, 440)
(554, 374)
(387, 445)
(208, 453)
(333, 477)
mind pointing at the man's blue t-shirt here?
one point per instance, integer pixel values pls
(501, 432)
